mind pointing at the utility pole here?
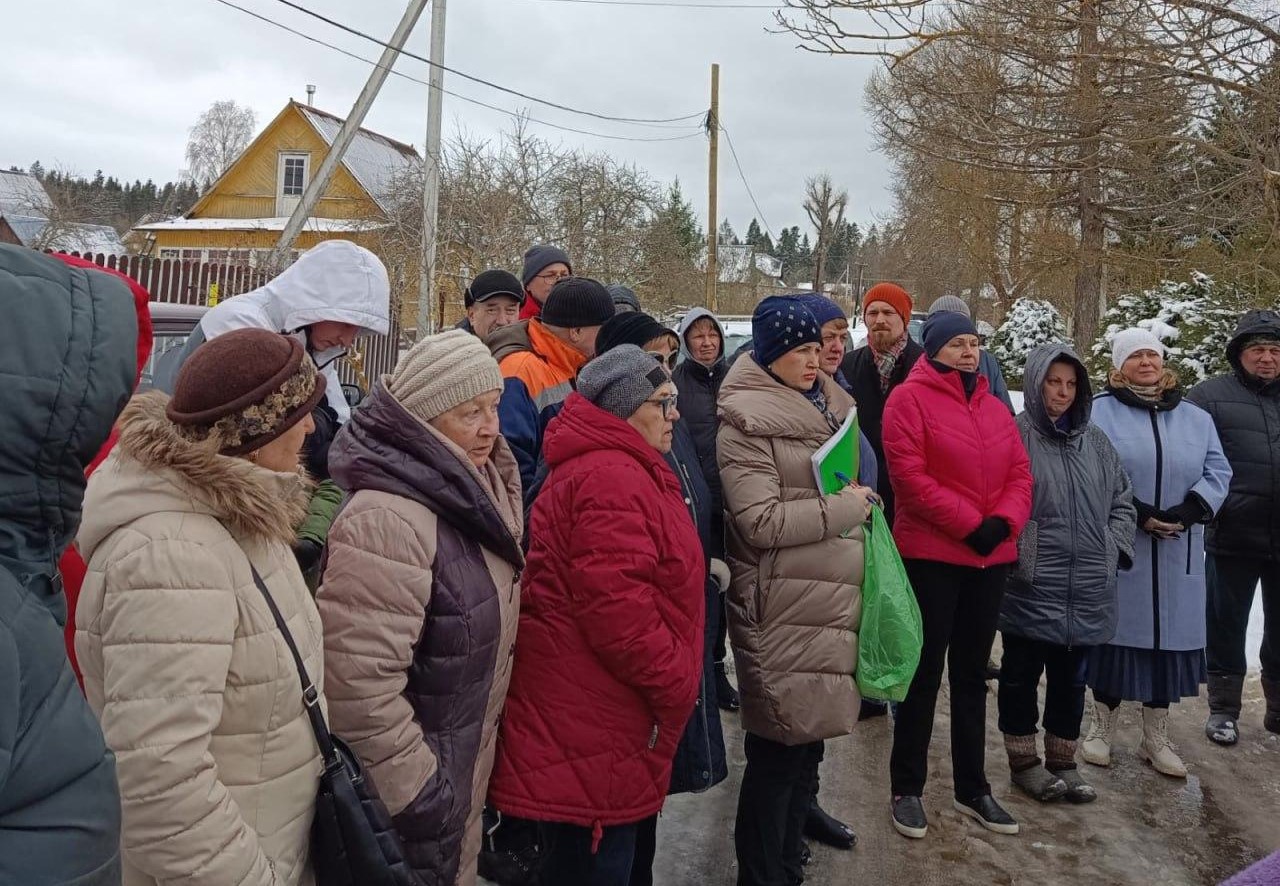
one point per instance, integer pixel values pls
(320, 180)
(431, 185)
(713, 221)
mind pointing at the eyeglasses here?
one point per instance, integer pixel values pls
(668, 404)
(667, 360)
(553, 276)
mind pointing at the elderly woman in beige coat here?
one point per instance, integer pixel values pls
(795, 602)
(420, 595)
(194, 684)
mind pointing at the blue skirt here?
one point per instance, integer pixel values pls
(1146, 675)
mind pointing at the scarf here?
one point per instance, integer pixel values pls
(815, 396)
(887, 361)
(1150, 393)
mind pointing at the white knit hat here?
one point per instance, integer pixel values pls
(1129, 341)
(443, 371)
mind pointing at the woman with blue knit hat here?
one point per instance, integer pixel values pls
(795, 600)
(963, 485)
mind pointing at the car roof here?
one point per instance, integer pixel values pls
(163, 310)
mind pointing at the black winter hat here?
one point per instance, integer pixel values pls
(624, 295)
(631, 328)
(487, 284)
(941, 327)
(538, 257)
(575, 302)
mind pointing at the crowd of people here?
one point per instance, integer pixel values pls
(515, 570)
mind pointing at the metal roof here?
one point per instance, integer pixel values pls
(23, 195)
(82, 238)
(374, 160)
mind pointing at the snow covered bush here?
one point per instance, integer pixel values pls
(1194, 319)
(1030, 322)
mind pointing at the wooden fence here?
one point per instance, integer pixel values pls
(187, 282)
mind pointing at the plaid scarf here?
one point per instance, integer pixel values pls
(886, 361)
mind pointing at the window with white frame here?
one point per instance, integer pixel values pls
(293, 174)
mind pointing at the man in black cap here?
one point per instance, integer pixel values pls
(493, 300)
(544, 267)
(625, 299)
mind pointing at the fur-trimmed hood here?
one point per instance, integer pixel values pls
(155, 470)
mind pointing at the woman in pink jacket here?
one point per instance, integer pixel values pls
(963, 485)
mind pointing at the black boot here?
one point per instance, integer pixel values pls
(726, 695)
(1223, 725)
(820, 826)
(1271, 689)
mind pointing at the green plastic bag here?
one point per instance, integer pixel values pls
(891, 635)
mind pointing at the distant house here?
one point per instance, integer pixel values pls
(241, 216)
(29, 218)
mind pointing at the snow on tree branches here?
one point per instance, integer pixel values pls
(1029, 323)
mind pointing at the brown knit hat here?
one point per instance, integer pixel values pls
(244, 388)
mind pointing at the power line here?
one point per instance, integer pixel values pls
(742, 175)
(483, 82)
(465, 98)
(671, 4)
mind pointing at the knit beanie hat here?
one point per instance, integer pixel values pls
(630, 328)
(891, 294)
(575, 302)
(1129, 341)
(538, 257)
(950, 303)
(244, 389)
(620, 380)
(441, 372)
(487, 284)
(824, 310)
(943, 326)
(780, 324)
(624, 295)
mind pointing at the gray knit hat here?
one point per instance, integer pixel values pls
(951, 303)
(443, 371)
(621, 379)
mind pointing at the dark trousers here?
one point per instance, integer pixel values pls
(1064, 671)
(722, 633)
(646, 851)
(959, 606)
(1232, 582)
(569, 861)
(777, 788)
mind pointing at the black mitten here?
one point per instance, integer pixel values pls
(988, 536)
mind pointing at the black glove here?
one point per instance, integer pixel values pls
(1190, 512)
(988, 536)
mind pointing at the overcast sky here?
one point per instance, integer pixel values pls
(115, 85)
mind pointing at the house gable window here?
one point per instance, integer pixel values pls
(291, 180)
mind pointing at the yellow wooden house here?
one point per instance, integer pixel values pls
(240, 218)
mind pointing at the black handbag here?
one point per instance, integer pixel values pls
(353, 842)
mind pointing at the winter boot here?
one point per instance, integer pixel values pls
(1060, 759)
(1223, 725)
(1271, 689)
(820, 825)
(1156, 748)
(1026, 772)
(1096, 748)
(726, 695)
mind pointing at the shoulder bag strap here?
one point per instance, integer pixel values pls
(310, 695)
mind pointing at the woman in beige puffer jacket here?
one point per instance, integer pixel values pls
(795, 601)
(197, 692)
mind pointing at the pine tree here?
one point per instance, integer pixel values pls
(1028, 324)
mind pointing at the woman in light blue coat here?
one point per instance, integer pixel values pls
(1170, 449)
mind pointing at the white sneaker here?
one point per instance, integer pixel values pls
(1096, 747)
(1156, 748)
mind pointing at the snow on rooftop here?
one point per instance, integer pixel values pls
(319, 225)
(33, 231)
(23, 195)
(373, 159)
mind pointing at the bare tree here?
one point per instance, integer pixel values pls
(218, 138)
(825, 207)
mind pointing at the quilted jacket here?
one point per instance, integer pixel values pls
(609, 650)
(953, 461)
(195, 687)
(419, 600)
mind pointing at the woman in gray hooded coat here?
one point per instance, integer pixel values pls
(1061, 599)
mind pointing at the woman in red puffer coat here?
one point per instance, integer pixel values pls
(962, 480)
(608, 655)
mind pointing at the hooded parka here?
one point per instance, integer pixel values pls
(795, 602)
(1063, 589)
(420, 599)
(67, 356)
(1246, 412)
(194, 684)
(699, 388)
(334, 280)
(1170, 449)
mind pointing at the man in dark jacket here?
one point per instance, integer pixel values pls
(698, 379)
(879, 366)
(68, 355)
(1243, 542)
(493, 300)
